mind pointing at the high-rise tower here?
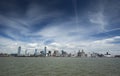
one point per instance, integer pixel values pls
(45, 49)
(19, 50)
(35, 53)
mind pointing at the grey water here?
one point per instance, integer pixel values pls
(59, 66)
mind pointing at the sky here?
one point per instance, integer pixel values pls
(70, 25)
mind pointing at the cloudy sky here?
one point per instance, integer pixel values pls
(92, 25)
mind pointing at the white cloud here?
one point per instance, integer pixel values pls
(106, 45)
(65, 34)
(11, 46)
(66, 31)
(99, 19)
(101, 46)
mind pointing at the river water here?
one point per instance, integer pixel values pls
(59, 66)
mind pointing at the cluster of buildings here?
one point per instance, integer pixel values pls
(47, 53)
(4, 55)
(43, 53)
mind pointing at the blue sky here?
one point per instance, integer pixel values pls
(92, 25)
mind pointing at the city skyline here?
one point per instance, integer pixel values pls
(92, 25)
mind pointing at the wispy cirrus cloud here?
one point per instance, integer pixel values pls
(88, 25)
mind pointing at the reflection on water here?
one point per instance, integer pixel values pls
(11, 66)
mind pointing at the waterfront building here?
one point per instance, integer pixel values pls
(56, 53)
(117, 56)
(64, 54)
(26, 52)
(49, 53)
(35, 53)
(107, 55)
(45, 50)
(19, 51)
(42, 53)
(94, 55)
(4, 55)
(81, 54)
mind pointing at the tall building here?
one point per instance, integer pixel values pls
(64, 54)
(26, 52)
(81, 54)
(35, 53)
(56, 53)
(45, 49)
(49, 53)
(19, 50)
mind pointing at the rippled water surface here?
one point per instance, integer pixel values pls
(36, 66)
